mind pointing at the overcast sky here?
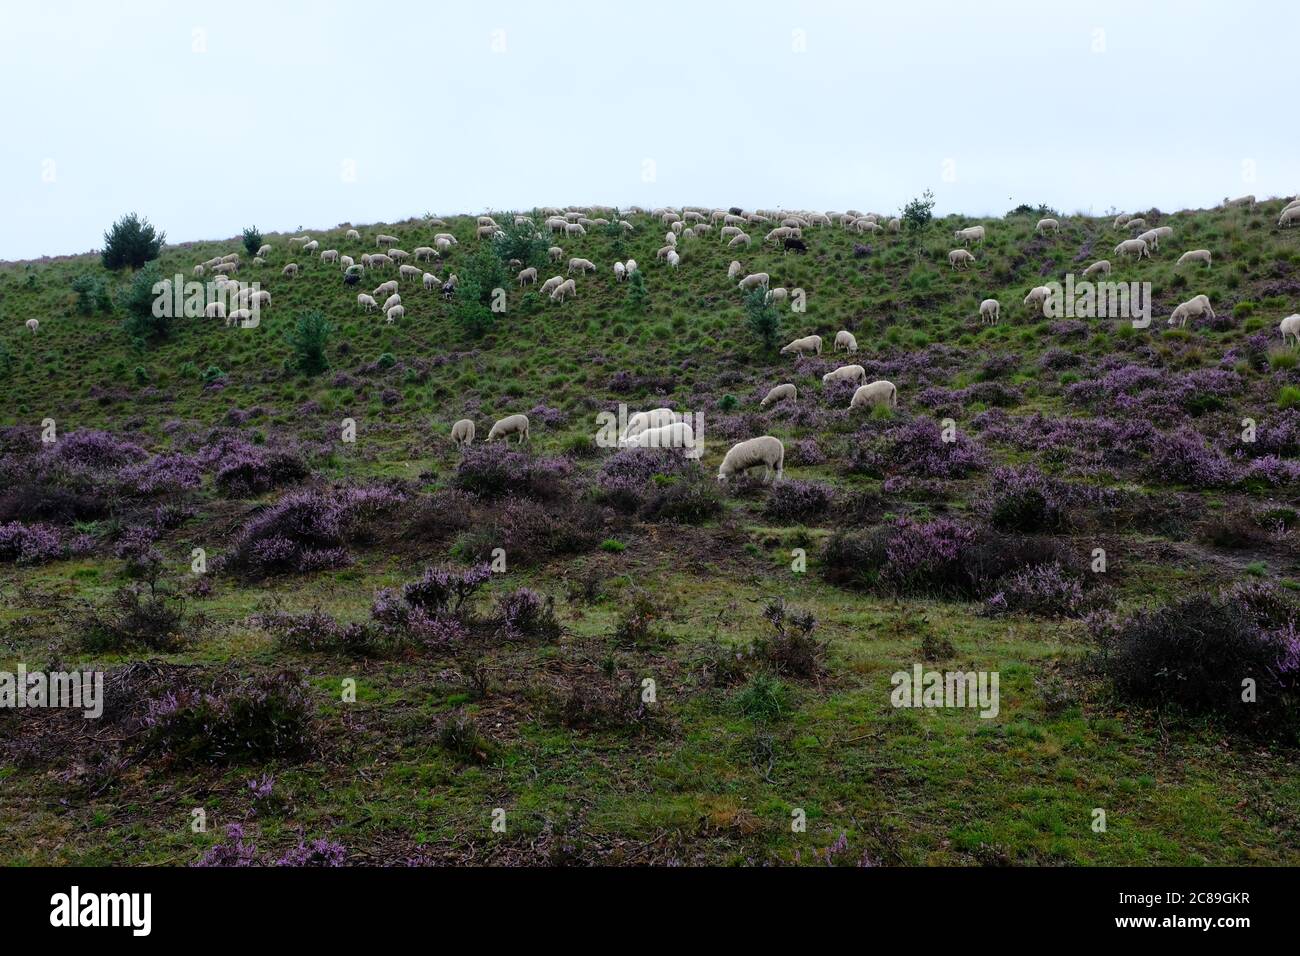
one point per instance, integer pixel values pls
(209, 117)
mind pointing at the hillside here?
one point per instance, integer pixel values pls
(1172, 450)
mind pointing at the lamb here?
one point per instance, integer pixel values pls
(395, 313)
(564, 290)
(809, 343)
(310, 246)
(527, 276)
(582, 265)
(877, 393)
(1047, 225)
(1195, 255)
(410, 272)
(672, 435)
(391, 301)
(510, 425)
(264, 250)
(367, 302)
(382, 240)
(352, 234)
(1290, 329)
(1133, 247)
(462, 433)
(960, 257)
(32, 325)
(1101, 266)
(845, 373)
(555, 253)
(1038, 295)
(429, 281)
(990, 311)
(765, 450)
(971, 234)
(620, 272)
(734, 269)
(779, 393)
(845, 340)
(755, 280)
(386, 288)
(290, 270)
(1193, 308)
(1289, 216)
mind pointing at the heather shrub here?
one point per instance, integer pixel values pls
(1023, 500)
(1183, 458)
(135, 616)
(29, 543)
(493, 472)
(690, 500)
(791, 649)
(625, 476)
(251, 470)
(315, 630)
(1195, 654)
(917, 448)
(531, 532)
(525, 613)
(797, 500)
(636, 621)
(1044, 589)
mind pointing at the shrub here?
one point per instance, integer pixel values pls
(135, 616)
(131, 242)
(29, 543)
(492, 472)
(1044, 589)
(636, 621)
(249, 470)
(1023, 500)
(525, 613)
(791, 650)
(308, 339)
(137, 301)
(316, 630)
(797, 500)
(460, 736)
(92, 294)
(763, 319)
(683, 500)
(763, 698)
(252, 240)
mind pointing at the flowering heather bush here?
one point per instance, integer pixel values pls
(917, 448)
(1195, 653)
(791, 650)
(494, 472)
(318, 853)
(693, 499)
(1024, 500)
(525, 613)
(1270, 472)
(233, 851)
(1068, 329)
(1183, 458)
(1057, 359)
(135, 616)
(530, 531)
(29, 544)
(167, 474)
(1044, 589)
(550, 417)
(998, 366)
(805, 451)
(445, 590)
(798, 500)
(97, 449)
(316, 630)
(838, 394)
(254, 720)
(251, 470)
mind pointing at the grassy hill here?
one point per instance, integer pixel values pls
(230, 691)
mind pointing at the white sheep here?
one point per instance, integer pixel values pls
(1038, 295)
(640, 421)
(391, 301)
(779, 393)
(215, 310)
(198, 270)
(582, 265)
(329, 255)
(290, 270)
(971, 234)
(1193, 308)
(620, 272)
(430, 281)
(385, 288)
(876, 393)
(1133, 247)
(383, 240)
(1289, 216)
(734, 269)
(551, 284)
(809, 343)
(345, 262)
(1246, 201)
(1101, 266)
(264, 250)
(239, 317)
(672, 435)
(960, 257)
(310, 246)
(674, 259)
(895, 225)
(462, 433)
(845, 373)
(352, 234)
(510, 425)
(425, 253)
(555, 253)
(1136, 223)
(631, 267)
(1195, 255)
(845, 341)
(738, 240)
(779, 294)
(410, 272)
(527, 276)
(755, 280)
(32, 325)
(367, 302)
(395, 313)
(765, 450)
(565, 289)
(990, 311)
(1047, 225)
(574, 229)
(1290, 329)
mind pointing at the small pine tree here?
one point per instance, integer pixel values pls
(638, 299)
(522, 242)
(918, 213)
(763, 319)
(252, 240)
(469, 310)
(137, 301)
(132, 242)
(308, 339)
(92, 294)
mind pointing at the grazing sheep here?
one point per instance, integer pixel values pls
(640, 421)
(582, 265)
(779, 393)
(310, 246)
(1122, 220)
(1246, 201)
(631, 267)
(876, 393)
(1038, 295)
(352, 234)
(442, 243)
(380, 261)
(425, 253)
(221, 268)
(755, 280)
(555, 253)
(265, 250)
(398, 255)
(809, 343)
(1290, 328)
(990, 311)
(429, 281)
(391, 301)
(462, 433)
(845, 373)
(672, 435)
(574, 229)
(290, 270)
(345, 263)
(845, 341)
(971, 234)
(386, 288)
(510, 425)
(1289, 216)
(1100, 266)
(395, 313)
(670, 237)
(1133, 247)
(239, 317)
(261, 299)
(551, 284)
(1195, 255)
(1136, 223)
(765, 450)
(620, 272)
(367, 302)
(734, 269)
(1047, 225)
(527, 276)
(198, 270)
(383, 240)
(895, 225)
(674, 259)
(565, 289)
(32, 325)
(1193, 308)
(960, 257)
(738, 240)
(329, 255)
(215, 310)
(410, 272)
(779, 294)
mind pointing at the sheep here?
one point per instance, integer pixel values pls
(555, 253)
(383, 240)
(1047, 225)
(258, 261)
(754, 280)
(290, 270)
(1163, 232)
(398, 255)
(550, 284)
(425, 253)
(734, 269)
(198, 270)
(620, 272)
(231, 257)
(395, 313)
(1122, 220)
(1101, 266)
(486, 232)
(239, 317)
(672, 435)
(895, 225)
(1133, 246)
(971, 234)
(778, 393)
(1195, 255)
(1151, 238)
(410, 272)
(1289, 216)
(809, 343)
(670, 237)
(1246, 201)
(345, 263)
(222, 268)
(214, 310)
(442, 243)
(844, 340)
(1194, 307)
(311, 246)
(640, 421)
(990, 311)
(846, 373)
(380, 261)
(674, 259)
(367, 302)
(391, 301)
(264, 250)
(738, 240)
(779, 294)
(1290, 328)
(462, 433)
(386, 288)
(582, 265)
(662, 252)
(960, 256)
(352, 234)
(726, 232)
(565, 289)
(631, 267)
(1291, 205)
(574, 229)
(876, 393)
(1038, 295)
(1136, 223)
(429, 281)
(510, 425)
(261, 299)
(764, 450)
(527, 276)
(627, 226)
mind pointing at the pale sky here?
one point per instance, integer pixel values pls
(285, 114)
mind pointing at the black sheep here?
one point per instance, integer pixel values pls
(798, 245)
